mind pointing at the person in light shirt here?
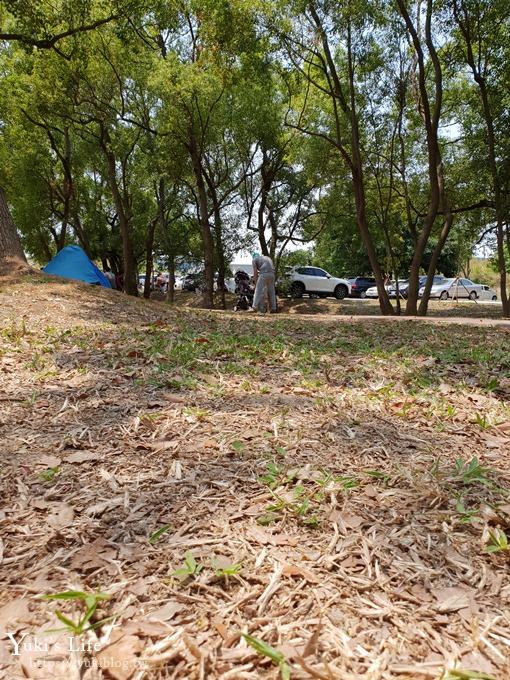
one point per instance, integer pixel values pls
(263, 276)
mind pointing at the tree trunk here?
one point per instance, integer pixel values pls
(67, 188)
(436, 253)
(170, 296)
(273, 242)
(10, 244)
(498, 200)
(80, 233)
(203, 217)
(353, 160)
(474, 61)
(220, 255)
(218, 235)
(431, 123)
(359, 190)
(149, 258)
(268, 171)
(129, 263)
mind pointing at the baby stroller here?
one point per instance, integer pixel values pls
(244, 289)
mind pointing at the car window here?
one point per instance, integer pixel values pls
(319, 272)
(301, 270)
(465, 282)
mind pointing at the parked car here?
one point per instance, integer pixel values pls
(193, 282)
(487, 293)
(403, 286)
(374, 293)
(316, 281)
(360, 285)
(461, 288)
(196, 282)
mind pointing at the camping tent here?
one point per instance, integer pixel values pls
(73, 263)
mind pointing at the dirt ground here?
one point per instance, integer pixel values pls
(280, 496)
(464, 309)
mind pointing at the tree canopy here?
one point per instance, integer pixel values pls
(374, 133)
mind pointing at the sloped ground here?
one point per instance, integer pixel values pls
(336, 489)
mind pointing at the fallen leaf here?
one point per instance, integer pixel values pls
(477, 662)
(166, 612)
(50, 658)
(82, 457)
(62, 516)
(12, 613)
(263, 537)
(134, 354)
(453, 599)
(311, 645)
(146, 628)
(120, 657)
(293, 570)
(49, 461)
(221, 628)
(351, 521)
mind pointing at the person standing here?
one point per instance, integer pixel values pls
(263, 276)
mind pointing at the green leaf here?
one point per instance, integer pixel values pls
(70, 624)
(182, 571)
(88, 615)
(285, 670)
(459, 674)
(157, 534)
(268, 518)
(264, 649)
(67, 595)
(229, 570)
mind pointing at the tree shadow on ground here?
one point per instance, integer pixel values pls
(293, 446)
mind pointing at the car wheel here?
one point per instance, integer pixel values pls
(297, 290)
(362, 295)
(341, 291)
(473, 295)
(494, 298)
(444, 295)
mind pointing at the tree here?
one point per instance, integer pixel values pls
(334, 77)
(45, 27)
(483, 37)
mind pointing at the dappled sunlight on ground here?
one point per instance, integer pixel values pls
(338, 485)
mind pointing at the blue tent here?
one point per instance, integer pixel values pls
(73, 263)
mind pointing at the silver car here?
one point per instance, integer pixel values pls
(461, 288)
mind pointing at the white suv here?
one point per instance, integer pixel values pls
(316, 281)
